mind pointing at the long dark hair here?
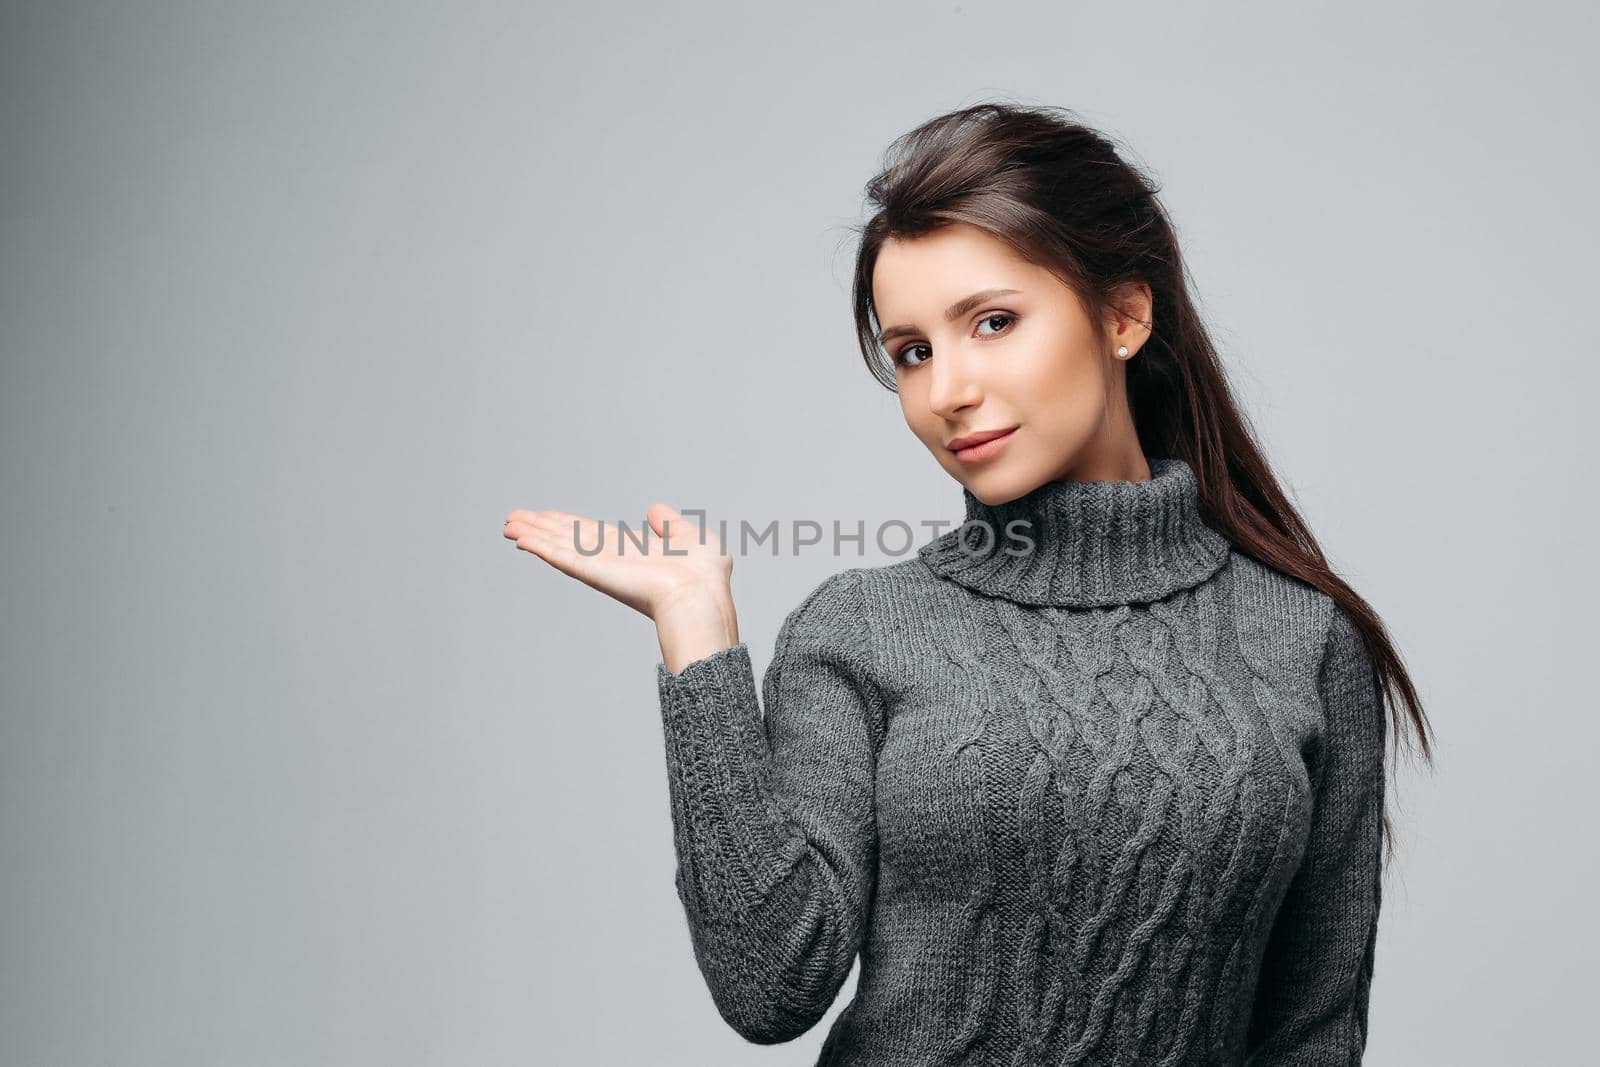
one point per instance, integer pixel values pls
(1056, 191)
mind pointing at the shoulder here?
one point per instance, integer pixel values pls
(865, 591)
(1282, 622)
(1294, 631)
(830, 620)
(830, 630)
(859, 609)
(1299, 636)
(1304, 633)
(1348, 679)
(837, 595)
(906, 587)
(1286, 601)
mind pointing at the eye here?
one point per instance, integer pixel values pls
(901, 358)
(1001, 315)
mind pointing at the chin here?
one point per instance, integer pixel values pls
(996, 485)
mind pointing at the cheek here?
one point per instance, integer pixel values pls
(1065, 391)
(914, 409)
(1055, 372)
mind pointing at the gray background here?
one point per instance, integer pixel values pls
(302, 763)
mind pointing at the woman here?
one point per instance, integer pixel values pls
(1097, 777)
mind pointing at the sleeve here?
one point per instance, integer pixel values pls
(1311, 998)
(773, 816)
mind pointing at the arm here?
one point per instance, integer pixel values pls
(1311, 999)
(774, 823)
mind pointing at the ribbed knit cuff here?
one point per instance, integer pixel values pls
(711, 719)
(727, 669)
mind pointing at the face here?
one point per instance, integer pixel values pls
(1026, 359)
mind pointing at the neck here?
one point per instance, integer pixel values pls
(1095, 544)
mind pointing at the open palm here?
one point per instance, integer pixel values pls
(645, 571)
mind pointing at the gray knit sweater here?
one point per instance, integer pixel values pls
(1114, 799)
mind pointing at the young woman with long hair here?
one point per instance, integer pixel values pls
(1099, 775)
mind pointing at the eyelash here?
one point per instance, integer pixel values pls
(1011, 320)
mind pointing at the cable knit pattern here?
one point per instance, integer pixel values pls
(1116, 799)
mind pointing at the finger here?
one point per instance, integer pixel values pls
(556, 551)
(573, 530)
(671, 526)
(660, 515)
(536, 542)
(563, 521)
(566, 518)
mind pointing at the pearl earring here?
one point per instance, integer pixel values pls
(1122, 351)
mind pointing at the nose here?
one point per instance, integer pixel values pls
(954, 384)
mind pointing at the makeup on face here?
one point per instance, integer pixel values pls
(982, 445)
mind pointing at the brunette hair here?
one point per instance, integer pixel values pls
(1059, 195)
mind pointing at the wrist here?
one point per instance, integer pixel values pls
(695, 623)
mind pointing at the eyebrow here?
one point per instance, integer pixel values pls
(951, 313)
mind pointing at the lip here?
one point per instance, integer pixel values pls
(973, 447)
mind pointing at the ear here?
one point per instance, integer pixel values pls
(1128, 320)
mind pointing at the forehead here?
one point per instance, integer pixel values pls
(942, 266)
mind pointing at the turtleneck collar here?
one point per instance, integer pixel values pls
(1096, 544)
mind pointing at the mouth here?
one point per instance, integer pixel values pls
(974, 447)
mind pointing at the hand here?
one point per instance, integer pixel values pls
(646, 578)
